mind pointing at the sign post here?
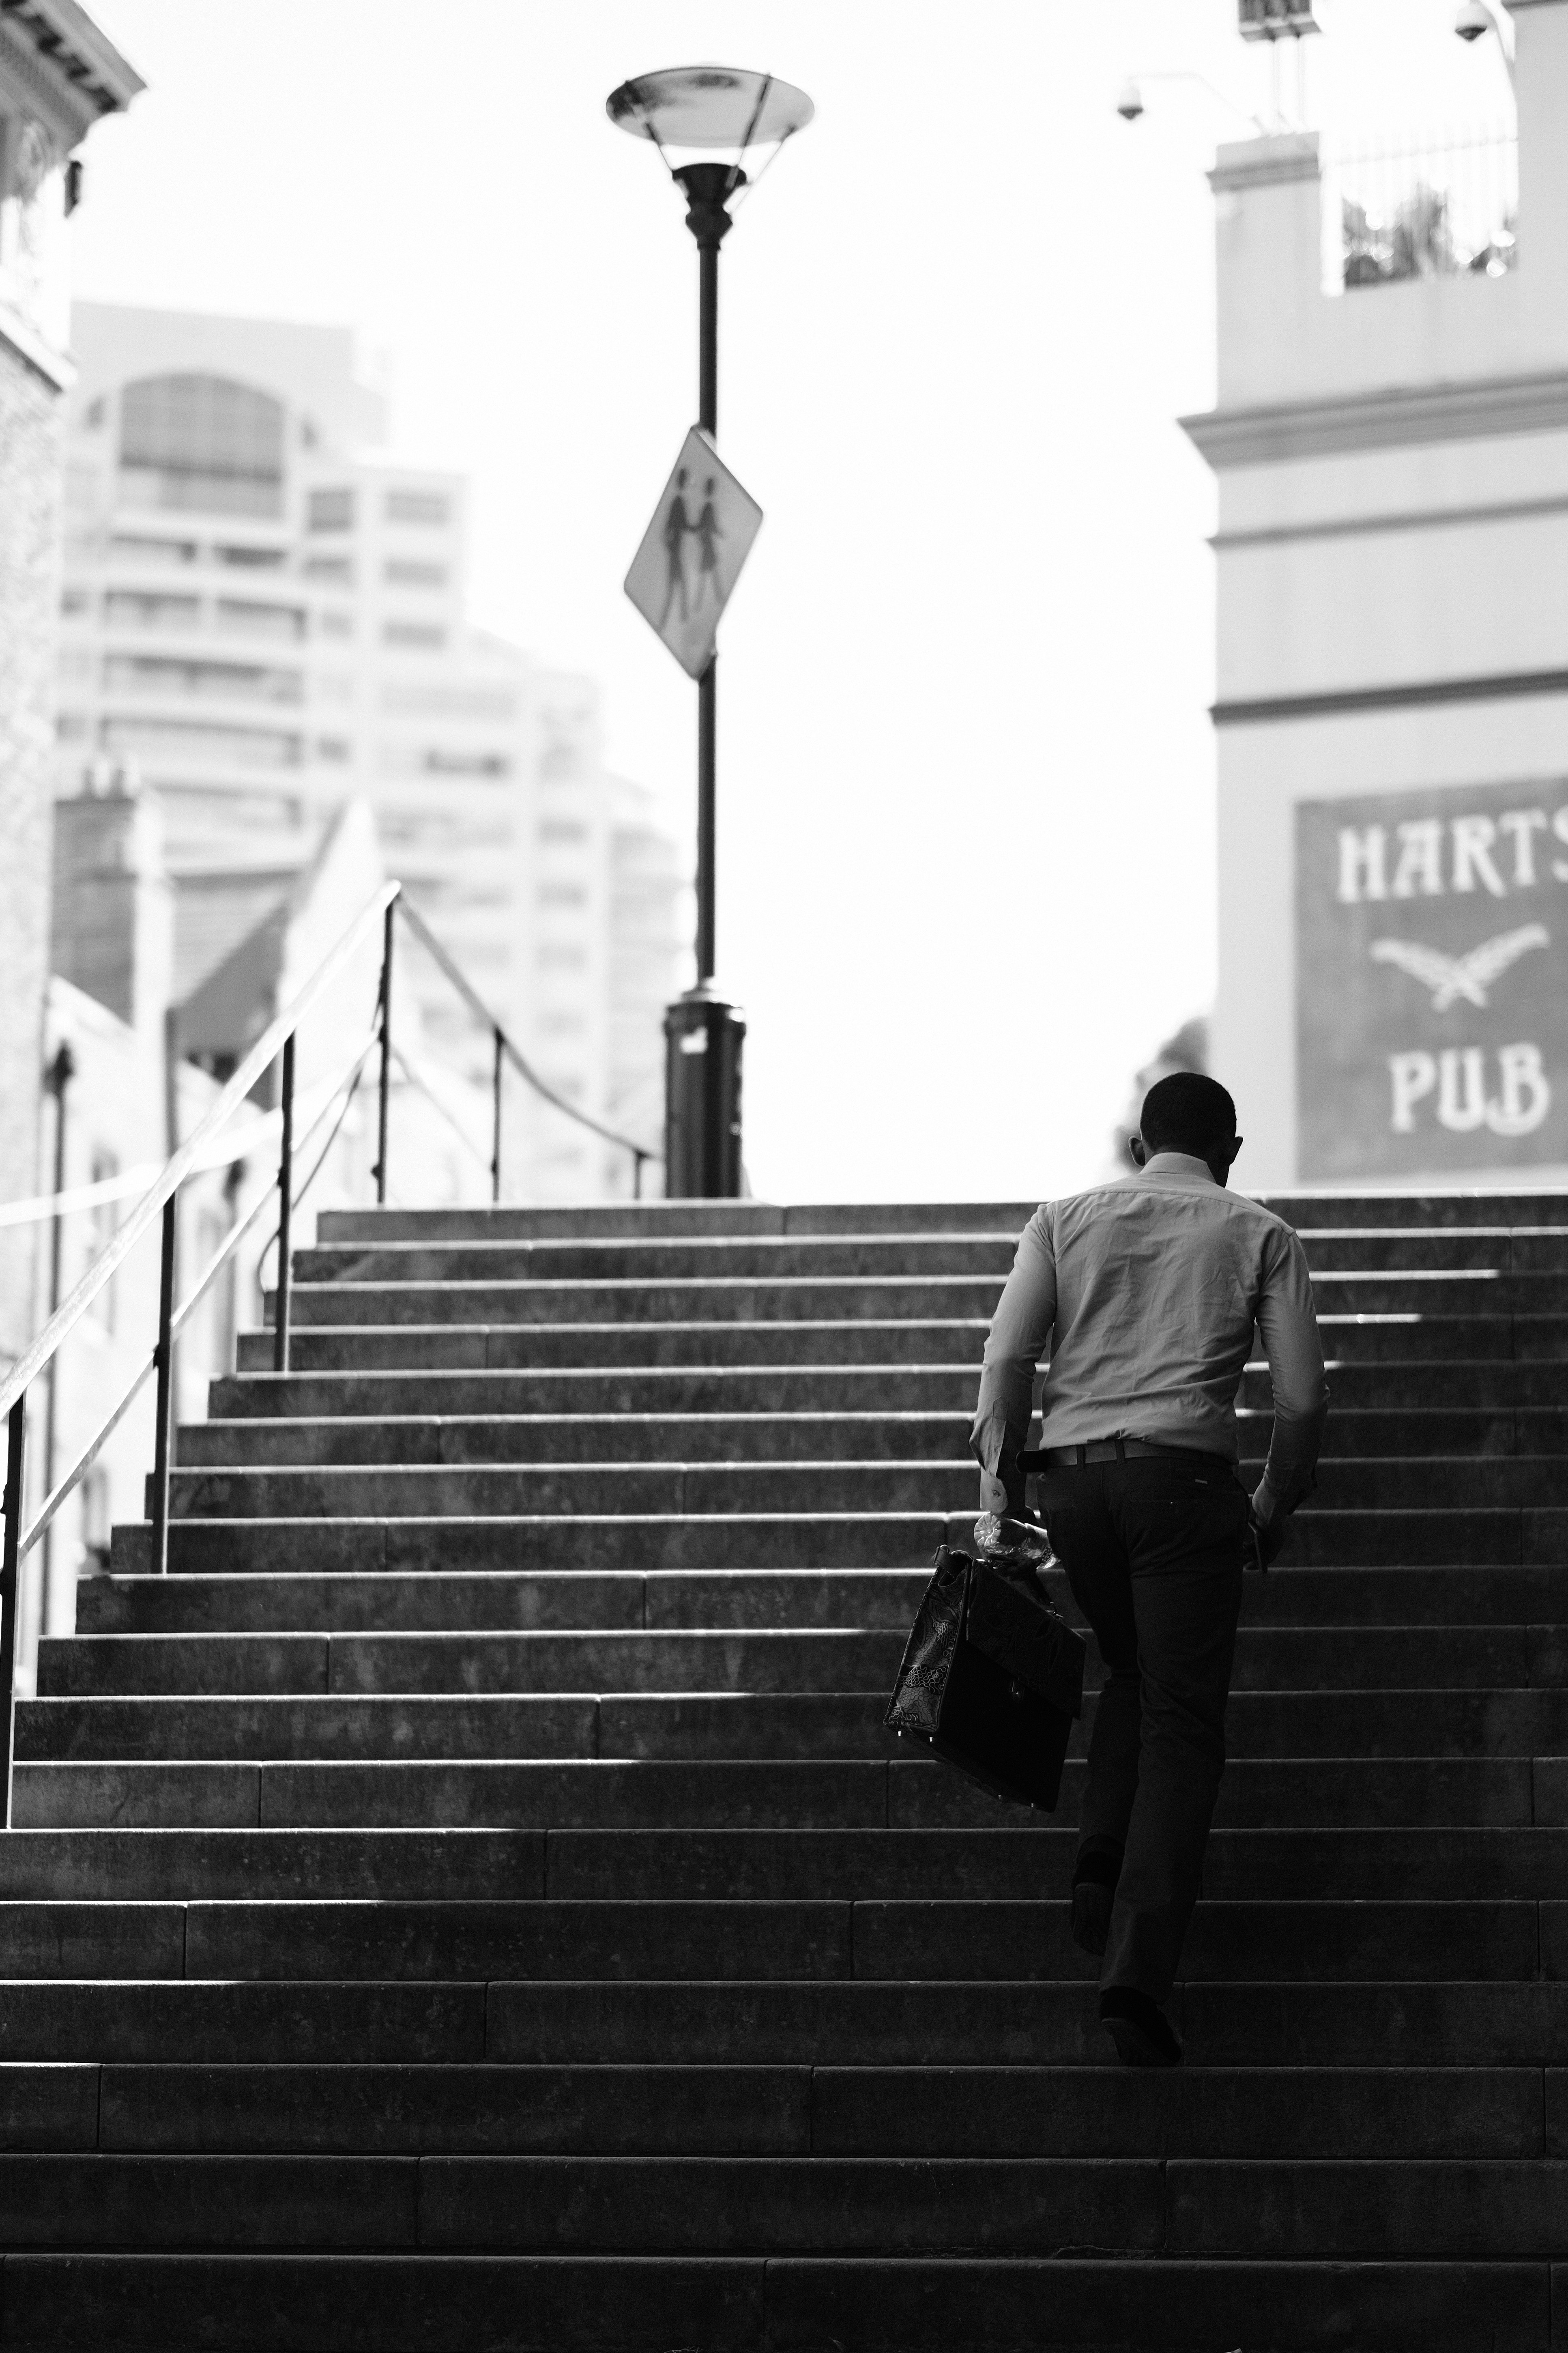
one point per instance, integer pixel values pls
(685, 570)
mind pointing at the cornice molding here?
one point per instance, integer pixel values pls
(1402, 417)
(1496, 686)
(59, 65)
(1264, 162)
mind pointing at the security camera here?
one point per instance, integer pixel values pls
(1130, 101)
(1472, 20)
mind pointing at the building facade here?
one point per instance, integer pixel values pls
(1392, 455)
(266, 618)
(57, 77)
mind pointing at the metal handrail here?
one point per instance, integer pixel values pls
(160, 1199)
(178, 1165)
(182, 1313)
(504, 1046)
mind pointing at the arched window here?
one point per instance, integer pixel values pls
(201, 442)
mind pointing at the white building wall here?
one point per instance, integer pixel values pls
(1392, 471)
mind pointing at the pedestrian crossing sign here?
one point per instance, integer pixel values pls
(684, 573)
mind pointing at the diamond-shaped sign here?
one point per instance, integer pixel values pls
(683, 575)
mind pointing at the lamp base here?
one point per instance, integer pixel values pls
(703, 1035)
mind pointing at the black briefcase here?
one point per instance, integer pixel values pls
(992, 1677)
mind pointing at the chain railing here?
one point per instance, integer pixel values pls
(201, 1151)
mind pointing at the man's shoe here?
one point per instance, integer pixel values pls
(1142, 2032)
(1091, 1904)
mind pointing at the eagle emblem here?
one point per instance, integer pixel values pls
(1469, 976)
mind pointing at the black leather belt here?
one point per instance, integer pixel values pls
(1114, 1450)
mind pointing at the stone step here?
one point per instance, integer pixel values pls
(879, 1297)
(1394, 2023)
(275, 2304)
(774, 2022)
(1484, 2207)
(1483, 1334)
(653, 1389)
(698, 1489)
(1454, 1725)
(893, 1939)
(755, 2110)
(1486, 1384)
(1308, 1212)
(735, 1659)
(875, 1434)
(839, 1258)
(855, 1340)
(1009, 1865)
(658, 1541)
(428, 1792)
(641, 1221)
(632, 1258)
(585, 1439)
(561, 1600)
(622, 1541)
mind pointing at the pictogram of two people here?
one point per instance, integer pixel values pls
(678, 528)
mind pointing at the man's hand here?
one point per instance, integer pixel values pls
(1267, 1534)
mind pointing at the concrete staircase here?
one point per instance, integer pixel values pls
(471, 1903)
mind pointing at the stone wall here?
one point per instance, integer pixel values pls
(30, 485)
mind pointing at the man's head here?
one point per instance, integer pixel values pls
(1188, 1113)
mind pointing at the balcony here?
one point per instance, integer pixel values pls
(1439, 208)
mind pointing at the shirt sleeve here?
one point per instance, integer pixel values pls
(1289, 1325)
(1013, 1346)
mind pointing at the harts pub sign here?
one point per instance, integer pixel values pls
(1432, 981)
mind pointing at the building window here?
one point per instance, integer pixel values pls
(400, 574)
(421, 635)
(561, 829)
(201, 442)
(332, 747)
(225, 681)
(125, 608)
(563, 895)
(242, 618)
(330, 511)
(152, 551)
(75, 600)
(336, 568)
(251, 559)
(177, 739)
(466, 763)
(417, 506)
(335, 625)
(558, 957)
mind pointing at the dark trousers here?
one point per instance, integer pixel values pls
(1152, 1548)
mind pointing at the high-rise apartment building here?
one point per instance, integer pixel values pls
(266, 618)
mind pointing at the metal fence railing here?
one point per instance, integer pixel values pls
(1425, 207)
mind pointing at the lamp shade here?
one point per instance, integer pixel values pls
(709, 107)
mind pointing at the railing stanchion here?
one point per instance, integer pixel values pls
(164, 1406)
(11, 1570)
(495, 1091)
(638, 1159)
(282, 1296)
(385, 1102)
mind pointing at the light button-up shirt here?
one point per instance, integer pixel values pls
(1146, 1291)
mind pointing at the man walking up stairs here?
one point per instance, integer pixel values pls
(471, 1902)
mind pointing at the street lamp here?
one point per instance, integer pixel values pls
(701, 110)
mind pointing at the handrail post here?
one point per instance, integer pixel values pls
(495, 1088)
(11, 1571)
(164, 1405)
(282, 1296)
(385, 1102)
(638, 1156)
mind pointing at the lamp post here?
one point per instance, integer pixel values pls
(699, 108)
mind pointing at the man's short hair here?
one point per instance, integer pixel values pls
(1186, 1112)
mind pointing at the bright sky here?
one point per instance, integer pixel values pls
(966, 848)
